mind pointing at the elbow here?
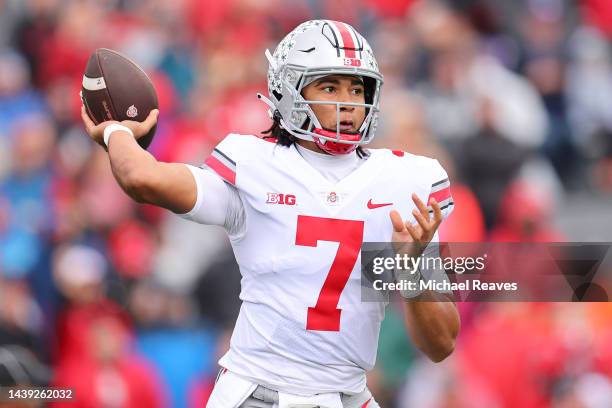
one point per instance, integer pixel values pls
(439, 351)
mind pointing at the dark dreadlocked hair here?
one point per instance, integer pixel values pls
(284, 138)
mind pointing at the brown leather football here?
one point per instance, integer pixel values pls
(115, 88)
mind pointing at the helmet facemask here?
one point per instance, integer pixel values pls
(304, 124)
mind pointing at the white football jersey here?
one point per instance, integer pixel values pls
(303, 327)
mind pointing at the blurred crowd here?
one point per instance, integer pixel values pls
(131, 306)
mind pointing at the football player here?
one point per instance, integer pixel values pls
(297, 206)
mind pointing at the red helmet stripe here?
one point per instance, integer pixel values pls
(347, 39)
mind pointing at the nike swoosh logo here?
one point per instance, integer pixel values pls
(372, 206)
(308, 50)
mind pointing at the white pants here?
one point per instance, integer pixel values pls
(233, 391)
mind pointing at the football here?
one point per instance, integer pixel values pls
(116, 88)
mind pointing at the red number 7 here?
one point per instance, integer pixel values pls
(325, 315)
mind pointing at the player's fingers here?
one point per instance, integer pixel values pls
(414, 232)
(396, 221)
(151, 120)
(422, 208)
(86, 119)
(425, 225)
(437, 211)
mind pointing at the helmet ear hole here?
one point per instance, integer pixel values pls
(369, 89)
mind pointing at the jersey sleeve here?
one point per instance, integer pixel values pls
(440, 190)
(217, 203)
(225, 156)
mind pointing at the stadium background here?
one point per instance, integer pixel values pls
(131, 306)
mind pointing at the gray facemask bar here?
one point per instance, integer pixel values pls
(302, 106)
(366, 120)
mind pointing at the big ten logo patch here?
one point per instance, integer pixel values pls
(281, 199)
(352, 62)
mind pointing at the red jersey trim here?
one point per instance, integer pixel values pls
(221, 169)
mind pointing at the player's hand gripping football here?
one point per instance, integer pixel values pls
(140, 129)
(410, 238)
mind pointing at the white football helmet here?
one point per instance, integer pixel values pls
(315, 49)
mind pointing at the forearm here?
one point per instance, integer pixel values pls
(132, 166)
(433, 323)
(146, 180)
